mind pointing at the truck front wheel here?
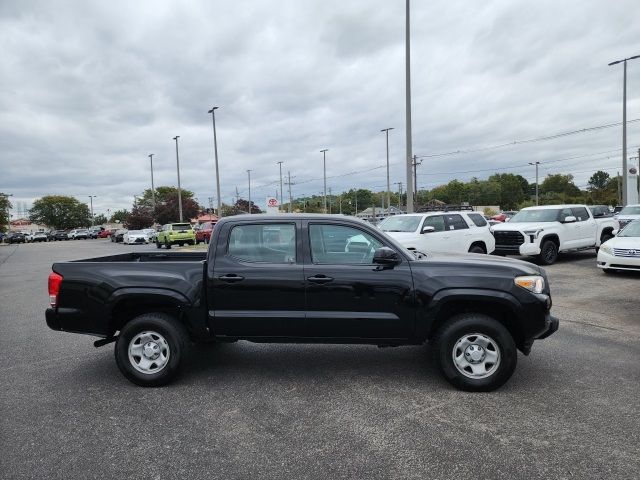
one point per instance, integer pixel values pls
(151, 348)
(475, 352)
(548, 252)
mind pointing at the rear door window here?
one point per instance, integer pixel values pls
(477, 219)
(455, 222)
(263, 243)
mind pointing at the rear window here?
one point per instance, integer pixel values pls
(478, 219)
(181, 226)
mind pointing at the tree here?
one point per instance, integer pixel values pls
(167, 204)
(139, 218)
(60, 212)
(5, 205)
(598, 181)
(119, 216)
(559, 188)
(513, 189)
(100, 219)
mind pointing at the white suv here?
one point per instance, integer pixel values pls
(627, 215)
(450, 232)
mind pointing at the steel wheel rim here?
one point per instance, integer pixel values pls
(149, 352)
(476, 355)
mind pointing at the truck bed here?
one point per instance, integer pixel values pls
(150, 257)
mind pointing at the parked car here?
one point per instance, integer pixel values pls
(546, 231)
(28, 236)
(621, 252)
(39, 237)
(627, 215)
(95, 231)
(135, 236)
(15, 237)
(60, 235)
(450, 232)
(118, 235)
(105, 233)
(79, 234)
(203, 232)
(152, 233)
(503, 216)
(2, 237)
(600, 211)
(288, 278)
(175, 233)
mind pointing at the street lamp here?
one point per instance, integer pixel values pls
(281, 197)
(91, 197)
(407, 59)
(179, 189)
(153, 188)
(324, 167)
(624, 127)
(536, 164)
(386, 130)
(215, 149)
(249, 174)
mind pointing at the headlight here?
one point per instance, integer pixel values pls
(533, 283)
(606, 249)
(534, 233)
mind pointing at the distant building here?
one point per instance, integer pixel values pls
(375, 215)
(204, 218)
(24, 224)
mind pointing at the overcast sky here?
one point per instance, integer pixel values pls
(89, 89)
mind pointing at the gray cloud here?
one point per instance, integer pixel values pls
(90, 89)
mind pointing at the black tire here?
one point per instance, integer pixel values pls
(473, 325)
(176, 346)
(548, 252)
(158, 244)
(181, 244)
(476, 249)
(192, 242)
(167, 244)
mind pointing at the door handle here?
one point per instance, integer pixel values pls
(230, 278)
(320, 279)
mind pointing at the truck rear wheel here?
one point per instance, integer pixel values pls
(150, 349)
(548, 252)
(475, 352)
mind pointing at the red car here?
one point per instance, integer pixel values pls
(502, 217)
(203, 232)
(104, 234)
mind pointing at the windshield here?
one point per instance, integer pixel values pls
(630, 210)
(400, 223)
(631, 230)
(536, 215)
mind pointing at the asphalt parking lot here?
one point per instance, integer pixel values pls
(319, 411)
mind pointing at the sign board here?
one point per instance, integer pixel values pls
(632, 184)
(273, 205)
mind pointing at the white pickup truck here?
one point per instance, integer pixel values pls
(546, 231)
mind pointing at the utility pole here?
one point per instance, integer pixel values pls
(536, 164)
(237, 196)
(324, 166)
(179, 189)
(386, 131)
(399, 195)
(91, 197)
(281, 196)
(215, 149)
(249, 174)
(329, 200)
(624, 128)
(414, 164)
(153, 188)
(289, 184)
(408, 107)
(619, 189)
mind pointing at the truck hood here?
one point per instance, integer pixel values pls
(483, 263)
(521, 226)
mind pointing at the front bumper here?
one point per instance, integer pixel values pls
(552, 324)
(606, 260)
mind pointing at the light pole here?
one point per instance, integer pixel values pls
(536, 164)
(249, 173)
(281, 197)
(386, 130)
(91, 197)
(179, 189)
(215, 150)
(408, 109)
(153, 188)
(324, 166)
(624, 127)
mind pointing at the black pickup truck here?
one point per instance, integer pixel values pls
(305, 278)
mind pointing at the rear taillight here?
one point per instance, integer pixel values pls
(54, 288)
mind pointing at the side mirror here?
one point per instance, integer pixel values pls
(569, 219)
(386, 256)
(427, 229)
